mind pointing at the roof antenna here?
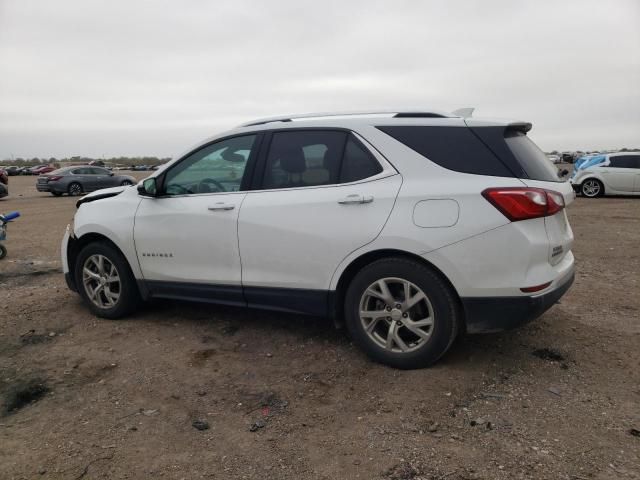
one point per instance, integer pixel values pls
(464, 112)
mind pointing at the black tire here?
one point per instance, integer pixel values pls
(3, 251)
(129, 296)
(126, 183)
(587, 188)
(56, 194)
(74, 189)
(443, 300)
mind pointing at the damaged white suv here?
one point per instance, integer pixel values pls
(408, 226)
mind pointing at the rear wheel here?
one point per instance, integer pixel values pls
(3, 251)
(126, 183)
(74, 189)
(105, 281)
(592, 188)
(401, 313)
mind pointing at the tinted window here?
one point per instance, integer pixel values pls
(304, 158)
(218, 167)
(81, 171)
(98, 171)
(455, 148)
(625, 161)
(357, 163)
(530, 157)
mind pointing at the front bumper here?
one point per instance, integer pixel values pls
(64, 254)
(495, 314)
(43, 187)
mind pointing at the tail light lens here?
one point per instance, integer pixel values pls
(525, 203)
(53, 178)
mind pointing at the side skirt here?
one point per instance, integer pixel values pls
(293, 300)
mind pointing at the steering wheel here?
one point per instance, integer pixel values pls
(203, 185)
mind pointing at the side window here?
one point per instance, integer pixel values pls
(218, 167)
(460, 150)
(303, 159)
(624, 161)
(97, 171)
(357, 163)
(80, 171)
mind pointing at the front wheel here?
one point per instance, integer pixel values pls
(3, 251)
(401, 313)
(105, 281)
(126, 183)
(592, 188)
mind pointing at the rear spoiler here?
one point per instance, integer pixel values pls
(523, 127)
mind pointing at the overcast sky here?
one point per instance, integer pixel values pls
(132, 77)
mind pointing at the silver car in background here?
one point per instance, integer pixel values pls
(80, 179)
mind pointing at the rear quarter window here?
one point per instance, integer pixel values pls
(530, 157)
(454, 148)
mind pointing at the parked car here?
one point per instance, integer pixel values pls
(96, 163)
(4, 183)
(409, 227)
(611, 174)
(80, 179)
(41, 169)
(13, 170)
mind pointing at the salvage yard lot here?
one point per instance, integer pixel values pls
(289, 397)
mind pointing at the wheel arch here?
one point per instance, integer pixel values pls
(338, 296)
(76, 244)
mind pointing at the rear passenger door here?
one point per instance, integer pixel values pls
(620, 173)
(101, 178)
(321, 194)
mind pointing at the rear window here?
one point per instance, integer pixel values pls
(530, 157)
(454, 148)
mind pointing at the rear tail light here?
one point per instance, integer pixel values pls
(54, 178)
(525, 203)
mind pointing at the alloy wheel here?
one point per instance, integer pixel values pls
(101, 281)
(75, 189)
(591, 188)
(396, 314)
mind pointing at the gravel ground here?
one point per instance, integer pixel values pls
(190, 391)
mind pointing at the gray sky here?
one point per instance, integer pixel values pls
(86, 77)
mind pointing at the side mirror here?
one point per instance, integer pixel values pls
(148, 187)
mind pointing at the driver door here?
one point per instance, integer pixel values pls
(187, 238)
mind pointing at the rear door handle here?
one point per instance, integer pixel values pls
(222, 206)
(356, 199)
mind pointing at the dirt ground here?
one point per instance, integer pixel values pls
(289, 397)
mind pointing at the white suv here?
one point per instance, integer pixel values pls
(612, 174)
(408, 226)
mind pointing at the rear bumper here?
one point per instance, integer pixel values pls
(495, 314)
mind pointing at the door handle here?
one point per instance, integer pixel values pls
(221, 206)
(356, 199)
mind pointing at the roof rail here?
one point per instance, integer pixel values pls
(398, 113)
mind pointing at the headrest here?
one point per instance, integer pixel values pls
(292, 159)
(328, 160)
